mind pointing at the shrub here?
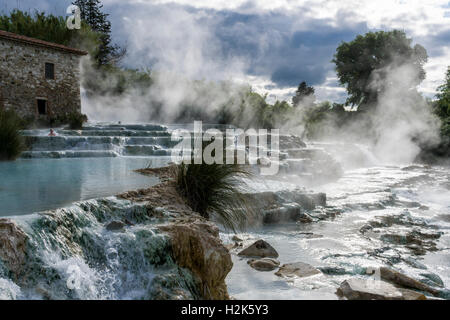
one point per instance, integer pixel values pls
(11, 141)
(76, 120)
(212, 190)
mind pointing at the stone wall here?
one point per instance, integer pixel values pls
(23, 81)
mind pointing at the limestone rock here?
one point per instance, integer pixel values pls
(298, 269)
(411, 294)
(259, 249)
(402, 280)
(196, 246)
(369, 289)
(264, 264)
(115, 226)
(289, 212)
(236, 238)
(13, 245)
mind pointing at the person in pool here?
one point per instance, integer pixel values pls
(52, 133)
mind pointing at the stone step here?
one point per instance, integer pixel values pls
(68, 154)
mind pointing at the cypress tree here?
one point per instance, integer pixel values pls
(92, 15)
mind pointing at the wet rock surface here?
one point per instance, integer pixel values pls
(298, 269)
(405, 281)
(197, 247)
(368, 289)
(264, 264)
(115, 226)
(260, 249)
(403, 231)
(13, 246)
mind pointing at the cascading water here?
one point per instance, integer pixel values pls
(374, 215)
(71, 254)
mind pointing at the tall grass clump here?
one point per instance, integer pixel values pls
(76, 120)
(213, 191)
(11, 141)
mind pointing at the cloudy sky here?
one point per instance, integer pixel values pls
(272, 44)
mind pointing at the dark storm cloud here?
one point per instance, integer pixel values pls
(284, 47)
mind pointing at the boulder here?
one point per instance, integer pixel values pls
(289, 212)
(236, 239)
(298, 269)
(197, 247)
(259, 249)
(402, 280)
(264, 264)
(13, 245)
(411, 294)
(368, 289)
(115, 226)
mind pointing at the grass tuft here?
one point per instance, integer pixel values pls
(11, 140)
(76, 120)
(213, 191)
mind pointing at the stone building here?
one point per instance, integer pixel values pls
(38, 79)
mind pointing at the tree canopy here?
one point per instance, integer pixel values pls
(50, 28)
(92, 15)
(40, 26)
(442, 105)
(357, 60)
(303, 91)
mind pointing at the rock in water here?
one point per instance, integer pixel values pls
(411, 294)
(369, 289)
(236, 239)
(115, 226)
(196, 246)
(298, 269)
(264, 264)
(259, 249)
(13, 245)
(404, 281)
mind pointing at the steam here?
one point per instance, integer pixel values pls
(402, 118)
(181, 47)
(182, 50)
(394, 129)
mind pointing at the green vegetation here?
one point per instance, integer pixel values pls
(92, 15)
(76, 120)
(212, 191)
(50, 28)
(11, 141)
(303, 93)
(356, 60)
(442, 106)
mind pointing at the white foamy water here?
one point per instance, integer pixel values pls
(416, 199)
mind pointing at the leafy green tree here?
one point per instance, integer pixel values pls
(303, 92)
(357, 60)
(92, 15)
(442, 106)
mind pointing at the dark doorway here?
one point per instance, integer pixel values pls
(42, 106)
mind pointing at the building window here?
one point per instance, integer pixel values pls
(42, 106)
(49, 71)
